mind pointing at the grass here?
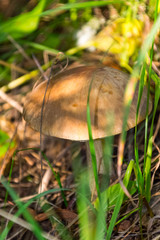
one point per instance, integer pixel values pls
(22, 209)
(92, 216)
(143, 179)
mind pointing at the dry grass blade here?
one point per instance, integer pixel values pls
(23, 79)
(13, 66)
(20, 49)
(11, 101)
(23, 223)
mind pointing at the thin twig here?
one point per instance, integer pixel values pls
(23, 223)
(39, 67)
(13, 66)
(157, 165)
(16, 234)
(20, 49)
(157, 129)
(45, 180)
(41, 120)
(126, 192)
(48, 174)
(58, 57)
(155, 68)
(11, 101)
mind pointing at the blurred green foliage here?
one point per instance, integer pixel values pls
(5, 143)
(22, 24)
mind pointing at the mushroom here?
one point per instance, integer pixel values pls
(64, 113)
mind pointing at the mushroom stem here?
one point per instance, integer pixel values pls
(100, 164)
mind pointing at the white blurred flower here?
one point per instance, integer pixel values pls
(88, 31)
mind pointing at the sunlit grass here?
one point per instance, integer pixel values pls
(92, 216)
(143, 179)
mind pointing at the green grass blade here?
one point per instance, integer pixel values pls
(131, 86)
(120, 199)
(57, 177)
(39, 46)
(9, 177)
(138, 173)
(80, 5)
(101, 228)
(91, 143)
(147, 165)
(147, 170)
(34, 225)
(24, 207)
(84, 222)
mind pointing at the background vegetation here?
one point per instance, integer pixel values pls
(52, 202)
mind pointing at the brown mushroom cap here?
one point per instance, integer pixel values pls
(64, 114)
